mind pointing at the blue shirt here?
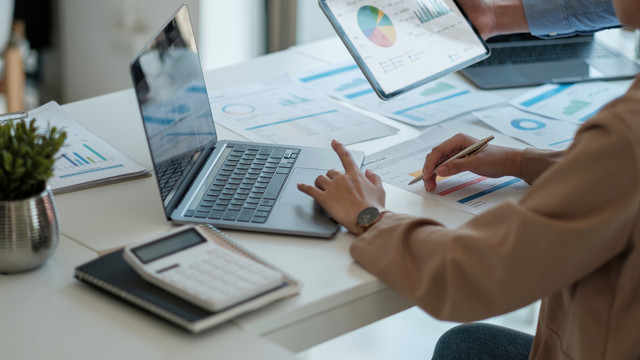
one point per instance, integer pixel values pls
(551, 18)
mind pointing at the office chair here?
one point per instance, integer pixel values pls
(12, 72)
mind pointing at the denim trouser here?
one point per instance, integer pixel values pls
(483, 341)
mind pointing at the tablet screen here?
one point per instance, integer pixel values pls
(402, 44)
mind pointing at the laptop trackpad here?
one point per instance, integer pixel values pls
(546, 72)
(300, 210)
(291, 194)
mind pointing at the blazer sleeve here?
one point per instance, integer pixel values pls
(537, 161)
(575, 217)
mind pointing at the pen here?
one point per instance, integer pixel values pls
(13, 116)
(470, 150)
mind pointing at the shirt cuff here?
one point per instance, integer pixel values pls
(547, 18)
(551, 18)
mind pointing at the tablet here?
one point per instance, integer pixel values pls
(402, 44)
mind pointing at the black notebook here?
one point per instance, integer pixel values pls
(113, 274)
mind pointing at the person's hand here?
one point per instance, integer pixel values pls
(480, 12)
(344, 195)
(495, 17)
(492, 161)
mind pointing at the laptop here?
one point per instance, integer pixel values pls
(229, 184)
(525, 60)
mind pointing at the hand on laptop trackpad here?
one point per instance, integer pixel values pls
(300, 175)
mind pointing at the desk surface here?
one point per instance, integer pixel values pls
(337, 294)
(48, 314)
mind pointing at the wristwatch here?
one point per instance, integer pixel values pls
(369, 216)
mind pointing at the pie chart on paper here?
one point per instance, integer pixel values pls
(376, 26)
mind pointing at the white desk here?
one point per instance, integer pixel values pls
(47, 314)
(337, 295)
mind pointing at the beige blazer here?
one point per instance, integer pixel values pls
(573, 241)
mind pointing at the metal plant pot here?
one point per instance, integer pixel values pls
(29, 232)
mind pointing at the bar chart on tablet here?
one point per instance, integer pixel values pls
(400, 42)
(434, 10)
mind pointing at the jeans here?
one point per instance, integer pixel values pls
(483, 341)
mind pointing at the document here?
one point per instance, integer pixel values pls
(399, 164)
(427, 105)
(537, 131)
(284, 112)
(569, 102)
(84, 160)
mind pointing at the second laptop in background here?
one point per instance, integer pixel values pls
(525, 60)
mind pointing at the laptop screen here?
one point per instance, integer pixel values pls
(173, 101)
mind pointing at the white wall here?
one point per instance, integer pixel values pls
(232, 31)
(99, 38)
(312, 25)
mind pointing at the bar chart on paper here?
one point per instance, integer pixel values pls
(81, 159)
(473, 193)
(284, 112)
(569, 102)
(399, 164)
(84, 159)
(434, 102)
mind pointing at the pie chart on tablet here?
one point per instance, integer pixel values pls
(376, 26)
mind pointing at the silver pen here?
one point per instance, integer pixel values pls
(470, 150)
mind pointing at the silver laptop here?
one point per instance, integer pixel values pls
(229, 184)
(524, 60)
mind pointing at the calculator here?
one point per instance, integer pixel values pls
(188, 264)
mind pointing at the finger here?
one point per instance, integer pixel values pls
(311, 191)
(444, 151)
(452, 146)
(453, 167)
(430, 183)
(333, 173)
(373, 177)
(345, 157)
(428, 173)
(322, 182)
(429, 166)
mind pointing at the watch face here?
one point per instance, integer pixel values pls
(367, 216)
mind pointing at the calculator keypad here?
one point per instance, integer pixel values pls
(221, 278)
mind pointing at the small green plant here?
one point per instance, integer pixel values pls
(27, 156)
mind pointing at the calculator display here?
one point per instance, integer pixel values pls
(168, 245)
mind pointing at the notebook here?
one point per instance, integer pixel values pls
(229, 184)
(112, 274)
(524, 60)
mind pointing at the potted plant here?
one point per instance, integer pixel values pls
(29, 228)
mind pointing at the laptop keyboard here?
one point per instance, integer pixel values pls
(170, 172)
(246, 187)
(538, 53)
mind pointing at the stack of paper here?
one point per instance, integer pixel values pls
(85, 160)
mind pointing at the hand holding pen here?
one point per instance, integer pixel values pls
(493, 161)
(468, 151)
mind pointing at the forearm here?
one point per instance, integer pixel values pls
(457, 275)
(509, 17)
(496, 17)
